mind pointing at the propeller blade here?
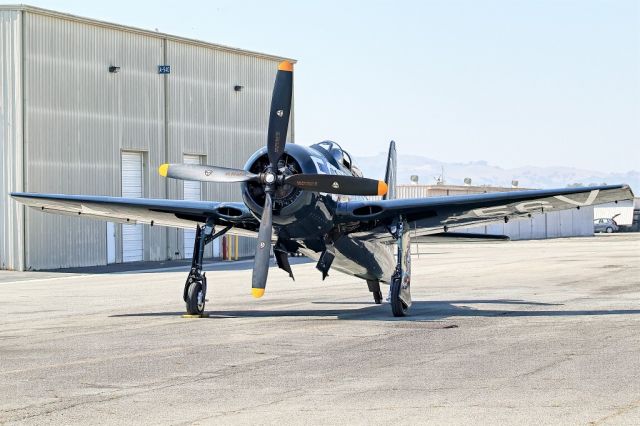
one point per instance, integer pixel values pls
(280, 110)
(263, 250)
(205, 173)
(337, 184)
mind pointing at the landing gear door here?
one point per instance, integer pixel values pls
(404, 261)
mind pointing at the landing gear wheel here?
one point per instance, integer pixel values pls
(195, 299)
(377, 297)
(398, 307)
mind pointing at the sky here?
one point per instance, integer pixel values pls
(512, 82)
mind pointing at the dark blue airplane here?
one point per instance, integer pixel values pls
(313, 201)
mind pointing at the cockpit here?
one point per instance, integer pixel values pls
(341, 157)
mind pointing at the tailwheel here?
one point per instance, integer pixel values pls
(195, 299)
(398, 307)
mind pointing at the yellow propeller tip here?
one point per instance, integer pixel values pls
(257, 292)
(285, 66)
(163, 170)
(382, 188)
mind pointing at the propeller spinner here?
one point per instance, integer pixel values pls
(272, 178)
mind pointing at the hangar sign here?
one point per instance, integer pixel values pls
(164, 69)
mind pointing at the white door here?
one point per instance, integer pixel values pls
(132, 235)
(192, 192)
(111, 242)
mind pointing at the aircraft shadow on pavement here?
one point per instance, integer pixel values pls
(420, 311)
(210, 267)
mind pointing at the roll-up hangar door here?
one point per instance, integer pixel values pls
(132, 235)
(192, 192)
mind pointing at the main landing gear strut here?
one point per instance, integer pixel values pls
(195, 288)
(399, 292)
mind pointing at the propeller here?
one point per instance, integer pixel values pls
(330, 184)
(271, 178)
(276, 139)
(337, 184)
(206, 173)
(280, 111)
(263, 250)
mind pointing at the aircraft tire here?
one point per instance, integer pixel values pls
(193, 307)
(377, 297)
(398, 308)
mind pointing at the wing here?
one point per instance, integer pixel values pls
(171, 213)
(440, 214)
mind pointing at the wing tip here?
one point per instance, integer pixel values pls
(163, 169)
(257, 292)
(627, 187)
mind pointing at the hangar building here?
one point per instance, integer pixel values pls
(90, 107)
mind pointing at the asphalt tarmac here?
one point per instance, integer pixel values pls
(531, 332)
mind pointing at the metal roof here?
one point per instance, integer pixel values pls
(149, 33)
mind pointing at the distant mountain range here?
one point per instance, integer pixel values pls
(482, 173)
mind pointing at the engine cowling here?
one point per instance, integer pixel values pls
(289, 203)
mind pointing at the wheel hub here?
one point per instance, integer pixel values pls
(200, 299)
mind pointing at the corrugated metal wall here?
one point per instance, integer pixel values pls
(79, 118)
(11, 179)
(565, 223)
(419, 191)
(207, 117)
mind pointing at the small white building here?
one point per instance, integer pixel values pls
(621, 212)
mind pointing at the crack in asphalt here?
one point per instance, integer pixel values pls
(619, 412)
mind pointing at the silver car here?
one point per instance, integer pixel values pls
(605, 225)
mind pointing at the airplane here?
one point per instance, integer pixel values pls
(314, 201)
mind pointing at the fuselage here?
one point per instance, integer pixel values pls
(305, 220)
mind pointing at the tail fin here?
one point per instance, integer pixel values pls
(390, 175)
